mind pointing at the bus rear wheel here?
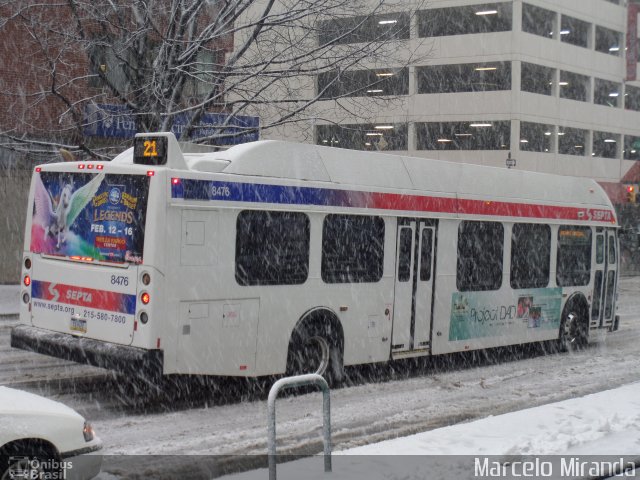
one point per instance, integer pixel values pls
(315, 349)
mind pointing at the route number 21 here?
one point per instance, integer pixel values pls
(150, 149)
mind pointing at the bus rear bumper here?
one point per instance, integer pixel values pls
(123, 358)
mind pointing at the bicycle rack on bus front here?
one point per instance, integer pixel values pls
(298, 381)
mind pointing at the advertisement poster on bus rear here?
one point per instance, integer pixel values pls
(90, 216)
(476, 314)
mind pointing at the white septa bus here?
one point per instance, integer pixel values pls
(272, 258)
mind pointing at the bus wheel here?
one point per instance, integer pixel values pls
(573, 332)
(313, 349)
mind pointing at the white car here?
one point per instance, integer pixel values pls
(40, 438)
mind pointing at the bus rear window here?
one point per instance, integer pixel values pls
(84, 216)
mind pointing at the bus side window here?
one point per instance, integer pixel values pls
(599, 248)
(480, 249)
(425, 255)
(352, 249)
(608, 301)
(612, 251)
(574, 256)
(272, 248)
(404, 258)
(530, 255)
(597, 294)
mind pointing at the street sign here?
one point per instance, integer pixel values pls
(117, 121)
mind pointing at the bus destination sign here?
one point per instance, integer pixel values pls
(150, 150)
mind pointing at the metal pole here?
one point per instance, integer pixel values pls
(298, 381)
(271, 433)
(326, 425)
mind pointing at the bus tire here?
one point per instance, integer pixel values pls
(316, 347)
(574, 327)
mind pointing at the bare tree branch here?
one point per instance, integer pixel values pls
(162, 62)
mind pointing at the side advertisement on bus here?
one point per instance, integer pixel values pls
(475, 314)
(88, 216)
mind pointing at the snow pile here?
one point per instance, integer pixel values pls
(605, 423)
(576, 426)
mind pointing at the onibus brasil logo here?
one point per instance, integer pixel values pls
(35, 468)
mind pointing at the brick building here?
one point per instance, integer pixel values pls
(73, 75)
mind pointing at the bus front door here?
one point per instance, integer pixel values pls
(606, 263)
(413, 286)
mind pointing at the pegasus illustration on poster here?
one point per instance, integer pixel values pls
(57, 220)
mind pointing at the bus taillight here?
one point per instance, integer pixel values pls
(145, 298)
(27, 280)
(175, 181)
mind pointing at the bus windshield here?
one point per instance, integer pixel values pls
(89, 216)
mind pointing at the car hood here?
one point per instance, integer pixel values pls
(17, 402)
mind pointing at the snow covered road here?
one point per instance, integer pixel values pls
(393, 404)
(392, 407)
(376, 411)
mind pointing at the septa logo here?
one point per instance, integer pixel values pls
(78, 295)
(89, 297)
(55, 295)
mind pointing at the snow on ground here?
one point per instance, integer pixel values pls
(579, 426)
(605, 423)
(9, 299)
(520, 394)
(385, 407)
